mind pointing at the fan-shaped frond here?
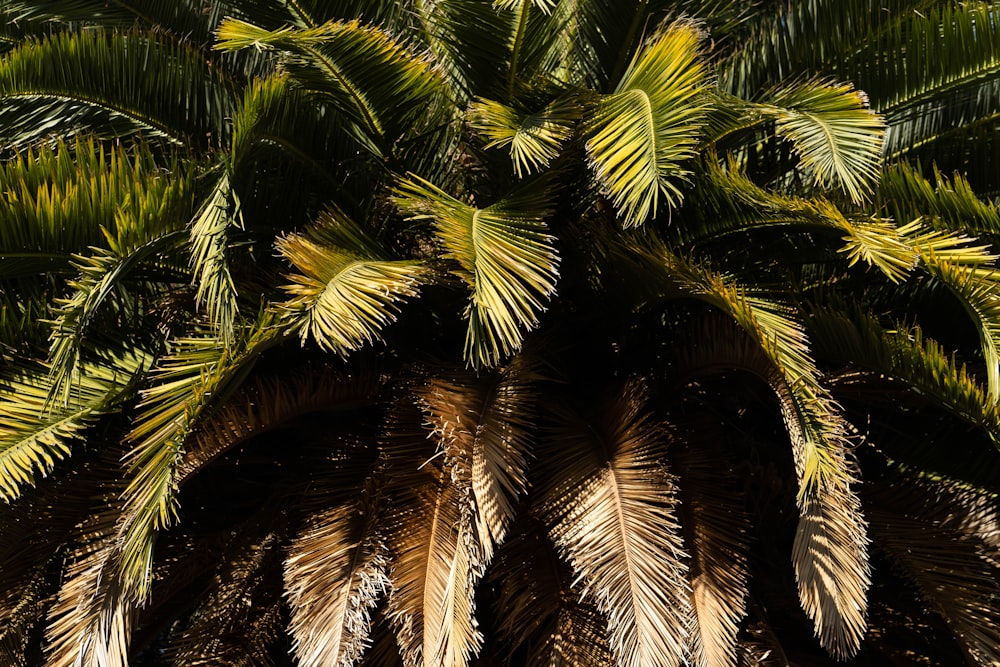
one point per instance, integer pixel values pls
(347, 290)
(362, 71)
(534, 139)
(609, 504)
(642, 134)
(837, 138)
(505, 257)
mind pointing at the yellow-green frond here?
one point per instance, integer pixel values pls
(642, 134)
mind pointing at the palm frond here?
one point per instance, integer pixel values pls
(330, 624)
(542, 614)
(198, 373)
(240, 616)
(967, 270)
(35, 432)
(91, 619)
(435, 568)
(362, 71)
(609, 504)
(209, 264)
(534, 139)
(504, 255)
(267, 404)
(838, 139)
(484, 429)
(346, 291)
(642, 134)
(53, 86)
(716, 535)
(950, 575)
(831, 536)
(944, 203)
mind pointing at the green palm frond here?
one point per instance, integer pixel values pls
(967, 270)
(61, 200)
(198, 373)
(209, 263)
(347, 290)
(838, 139)
(331, 624)
(609, 504)
(534, 139)
(641, 135)
(98, 285)
(906, 355)
(832, 533)
(504, 255)
(945, 203)
(364, 73)
(52, 87)
(35, 431)
(728, 201)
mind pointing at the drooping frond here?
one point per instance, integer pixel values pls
(716, 528)
(54, 86)
(209, 263)
(344, 544)
(504, 255)
(534, 139)
(609, 504)
(838, 139)
(362, 71)
(951, 576)
(197, 374)
(435, 568)
(36, 431)
(91, 620)
(905, 355)
(643, 133)
(347, 290)
(541, 612)
(832, 535)
(484, 427)
(239, 617)
(969, 272)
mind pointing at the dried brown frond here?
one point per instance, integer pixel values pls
(609, 503)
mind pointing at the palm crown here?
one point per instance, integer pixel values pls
(521, 332)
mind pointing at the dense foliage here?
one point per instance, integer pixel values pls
(547, 332)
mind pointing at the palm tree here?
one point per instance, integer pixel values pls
(526, 332)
